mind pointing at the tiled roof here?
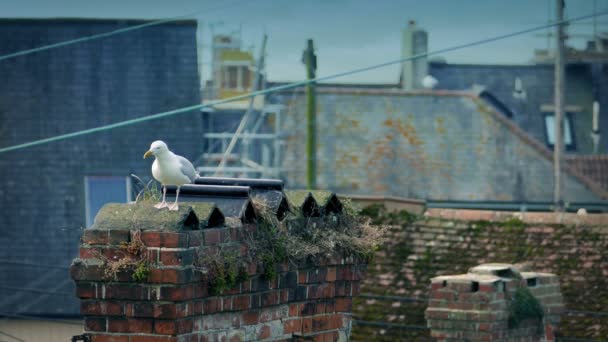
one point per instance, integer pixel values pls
(594, 167)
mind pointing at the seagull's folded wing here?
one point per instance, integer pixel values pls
(187, 168)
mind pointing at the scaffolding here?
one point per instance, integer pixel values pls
(258, 151)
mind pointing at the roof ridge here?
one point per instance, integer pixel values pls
(592, 185)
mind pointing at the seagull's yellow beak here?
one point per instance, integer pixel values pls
(147, 154)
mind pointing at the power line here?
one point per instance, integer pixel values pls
(112, 33)
(11, 336)
(22, 263)
(25, 289)
(40, 318)
(285, 86)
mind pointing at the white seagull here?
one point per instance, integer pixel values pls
(170, 169)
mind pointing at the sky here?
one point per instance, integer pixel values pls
(348, 34)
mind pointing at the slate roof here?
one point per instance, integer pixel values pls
(68, 89)
(430, 144)
(537, 82)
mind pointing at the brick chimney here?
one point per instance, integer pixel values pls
(194, 275)
(494, 302)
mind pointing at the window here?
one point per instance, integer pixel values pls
(99, 190)
(246, 77)
(550, 130)
(230, 77)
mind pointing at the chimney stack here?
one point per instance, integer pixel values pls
(414, 42)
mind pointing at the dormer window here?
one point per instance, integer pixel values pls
(567, 131)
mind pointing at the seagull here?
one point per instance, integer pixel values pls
(169, 169)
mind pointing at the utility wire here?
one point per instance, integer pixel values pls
(23, 263)
(42, 318)
(287, 86)
(112, 33)
(11, 336)
(25, 289)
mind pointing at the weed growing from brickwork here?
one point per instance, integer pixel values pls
(524, 305)
(134, 259)
(298, 238)
(223, 270)
(146, 192)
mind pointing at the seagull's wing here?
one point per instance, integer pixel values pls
(187, 168)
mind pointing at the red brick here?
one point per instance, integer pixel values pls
(176, 257)
(125, 291)
(331, 274)
(251, 317)
(331, 336)
(344, 273)
(241, 303)
(109, 338)
(118, 236)
(330, 306)
(164, 239)
(165, 327)
(320, 323)
(85, 291)
(185, 326)
(293, 325)
(195, 238)
(306, 325)
(302, 277)
(324, 290)
(86, 272)
(264, 332)
(226, 303)
(337, 321)
(211, 237)
(97, 308)
(170, 275)
(94, 324)
(140, 309)
(88, 252)
(211, 305)
(317, 275)
(344, 304)
(487, 288)
(270, 298)
(177, 293)
(149, 338)
(294, 309)
(130, 325)
(95, 236)
(169, 310)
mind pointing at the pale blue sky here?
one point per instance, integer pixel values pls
(348, 33)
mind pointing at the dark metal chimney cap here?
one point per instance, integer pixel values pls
(270, 184)
(211, 190)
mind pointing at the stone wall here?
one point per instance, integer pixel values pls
(442, 242)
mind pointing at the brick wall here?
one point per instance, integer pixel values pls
(309, 299)
(396, 290)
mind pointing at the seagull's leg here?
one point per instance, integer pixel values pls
(174, 205)
(162, 204)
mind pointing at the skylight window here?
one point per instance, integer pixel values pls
(550, 130)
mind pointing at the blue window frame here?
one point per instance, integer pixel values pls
(99, 190)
